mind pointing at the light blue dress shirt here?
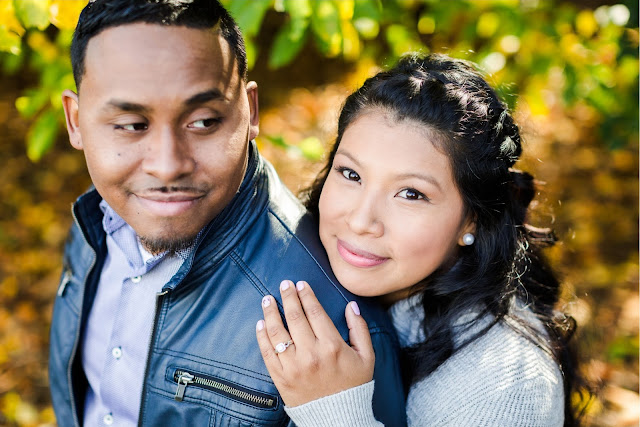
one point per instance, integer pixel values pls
(120, 323)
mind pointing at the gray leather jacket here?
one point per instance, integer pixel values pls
(204, 367)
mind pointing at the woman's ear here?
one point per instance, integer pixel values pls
(467, 233)
(70, 105)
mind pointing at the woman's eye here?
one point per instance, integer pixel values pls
(411, 194)
(350, 174)
(132, 127)
(204, 124)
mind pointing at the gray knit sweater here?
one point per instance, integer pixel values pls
(500, 379)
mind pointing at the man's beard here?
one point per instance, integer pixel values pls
(173, 246)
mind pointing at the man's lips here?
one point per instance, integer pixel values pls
(358, 257)
(168, 203)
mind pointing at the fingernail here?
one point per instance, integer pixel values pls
(260, 325)
(300, 286)
(354, 307)
(266, 301)
(284, 285)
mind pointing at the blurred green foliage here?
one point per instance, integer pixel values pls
(527, 46)
(35, 35)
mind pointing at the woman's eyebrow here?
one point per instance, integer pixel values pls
(424, 177)
(347, 154)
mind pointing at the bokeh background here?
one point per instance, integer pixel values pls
(569, 69)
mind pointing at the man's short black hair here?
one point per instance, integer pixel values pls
(99, 15)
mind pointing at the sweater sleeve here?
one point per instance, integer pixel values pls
(348, 408)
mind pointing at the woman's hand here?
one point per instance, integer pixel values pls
(318, 362)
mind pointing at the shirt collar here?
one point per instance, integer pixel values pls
(111, 221)
(122, 233)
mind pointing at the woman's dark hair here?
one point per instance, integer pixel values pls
(479, 136)
(99, 15)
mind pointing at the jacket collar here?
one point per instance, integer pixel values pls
(223, 233)
(217, 238)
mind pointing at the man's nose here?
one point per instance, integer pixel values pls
(365, 214)
(168, 155)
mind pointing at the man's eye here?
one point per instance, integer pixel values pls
(133, 127)
(350, 174)
(411, 194)
(204, 124)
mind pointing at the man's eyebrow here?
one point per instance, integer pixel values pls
(126, 106)
(197, 99)
(206, 96)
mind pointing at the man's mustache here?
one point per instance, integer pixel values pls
(175, 189)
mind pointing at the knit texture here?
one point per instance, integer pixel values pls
(348, 408)
(500, 379)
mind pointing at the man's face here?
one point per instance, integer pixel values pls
(164, 121)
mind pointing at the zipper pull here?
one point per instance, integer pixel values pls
(66, 278)
(184, 379)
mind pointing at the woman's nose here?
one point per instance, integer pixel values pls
(364, 216)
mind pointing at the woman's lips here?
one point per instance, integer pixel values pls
(357, 257)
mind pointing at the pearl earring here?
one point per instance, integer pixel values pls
(468, 239)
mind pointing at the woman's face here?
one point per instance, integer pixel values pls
(390, 213)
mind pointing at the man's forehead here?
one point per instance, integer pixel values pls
(141, 33)
(143, 52)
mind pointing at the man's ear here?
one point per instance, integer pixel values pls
(254, 109)
(70, 105)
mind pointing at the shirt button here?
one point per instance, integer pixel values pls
(116, 352)
(108, 419)
(136, 279)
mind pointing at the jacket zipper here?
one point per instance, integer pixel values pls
(159, 297)
(76, 421)
(245, 395)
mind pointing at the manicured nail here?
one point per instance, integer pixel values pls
(354, 307)
(260, 325)
(266, 301)
(284, 285)
(300, 286)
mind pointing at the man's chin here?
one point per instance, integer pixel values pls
(172, 245)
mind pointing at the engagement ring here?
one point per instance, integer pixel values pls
(283, 346)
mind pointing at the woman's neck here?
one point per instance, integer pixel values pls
(389, 299)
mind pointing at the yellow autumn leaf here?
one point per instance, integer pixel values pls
(534, 98)
(426, 24)
(39, 42)
(64, 14)
(488, 24)
(350, 41)
(586, 23)
(8, 18)
(345, 9)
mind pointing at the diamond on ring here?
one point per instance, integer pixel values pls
(281, 347)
